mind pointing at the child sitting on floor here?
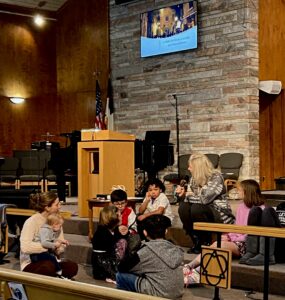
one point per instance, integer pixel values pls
(109, 246)
(119, 199)
(249, 192)
(154, 203)
(155, 269)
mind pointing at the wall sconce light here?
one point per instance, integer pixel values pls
(17, 100)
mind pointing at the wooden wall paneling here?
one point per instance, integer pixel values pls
(266, 170)
(82, 57)
(277, 137)
(271, 67)
(28, 69)
(271, 40)
(272, 139)
(33, 65)
(282, 125)
(77, 111)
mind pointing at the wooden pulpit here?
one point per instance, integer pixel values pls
(105, 158)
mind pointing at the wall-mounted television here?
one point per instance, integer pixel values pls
(169, 29)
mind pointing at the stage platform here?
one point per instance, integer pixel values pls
(274, 197)
(243, 277)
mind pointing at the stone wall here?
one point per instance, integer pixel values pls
(219, 111)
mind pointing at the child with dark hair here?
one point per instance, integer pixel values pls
(108, 244)
(155, 201)
(119, 198)
(156, 268)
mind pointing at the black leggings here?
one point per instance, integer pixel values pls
(263, 217)
(269, 218)
(192, 212)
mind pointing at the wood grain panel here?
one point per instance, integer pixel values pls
(272, 138)
(271, 40)
(57, 80)
(277, 134)
(266, 176)
(271, 67)
(82, 57)
(28, 69)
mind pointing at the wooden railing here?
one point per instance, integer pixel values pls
(266, 232)
(47, 288)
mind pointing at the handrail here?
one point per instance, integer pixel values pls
(29, 212)
(245, 229)
(64, 289)
(266, 232)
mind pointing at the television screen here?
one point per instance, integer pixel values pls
(169, 29)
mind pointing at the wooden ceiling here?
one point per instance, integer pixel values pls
(49, 5)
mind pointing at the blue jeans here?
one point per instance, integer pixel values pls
(126, 281)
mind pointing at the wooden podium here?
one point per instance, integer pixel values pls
(105, 158)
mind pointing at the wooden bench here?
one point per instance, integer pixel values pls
(266, 232)
(46, 288)
(29, 212)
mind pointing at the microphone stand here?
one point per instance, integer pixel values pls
(177, 132)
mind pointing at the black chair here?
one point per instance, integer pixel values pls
(9, 172)
(230, 164)
(214, 159)
(183, 171)
(32, 172)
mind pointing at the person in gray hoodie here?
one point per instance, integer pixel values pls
(156, 268)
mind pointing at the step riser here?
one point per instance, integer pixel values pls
(80, 227)
(74, 226)
(252, 279)
(79, 254)
(242, 276)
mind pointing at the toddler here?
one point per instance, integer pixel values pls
(48, 237)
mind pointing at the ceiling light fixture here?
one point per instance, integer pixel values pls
(39, 20)
(17, 100)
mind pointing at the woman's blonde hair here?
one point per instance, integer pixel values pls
(202, 168)
(40, 201)
(109, 217)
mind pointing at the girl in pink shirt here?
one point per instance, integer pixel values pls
(249, 192)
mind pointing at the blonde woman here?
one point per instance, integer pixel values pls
(204, 201)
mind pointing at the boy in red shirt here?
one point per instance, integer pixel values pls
(119, 199)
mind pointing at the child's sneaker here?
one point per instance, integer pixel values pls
(192, 278)
(62, 277)
(110, 280)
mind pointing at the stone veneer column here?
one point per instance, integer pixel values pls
(219, 111)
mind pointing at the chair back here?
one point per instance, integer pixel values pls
(230, 164)
(183, 166)
(214, 159)
(10, 166)
(32, 166)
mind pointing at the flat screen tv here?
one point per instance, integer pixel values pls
(169, 29)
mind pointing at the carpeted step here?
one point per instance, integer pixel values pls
(243, 276)
(79, 250)
(76, 225)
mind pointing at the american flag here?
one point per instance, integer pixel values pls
(110, 107)
(99, 121)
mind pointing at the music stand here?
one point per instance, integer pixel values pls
(155, 141)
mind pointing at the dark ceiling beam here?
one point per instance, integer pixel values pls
(26, 11)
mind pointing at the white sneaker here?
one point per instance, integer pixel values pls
(110, 280)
